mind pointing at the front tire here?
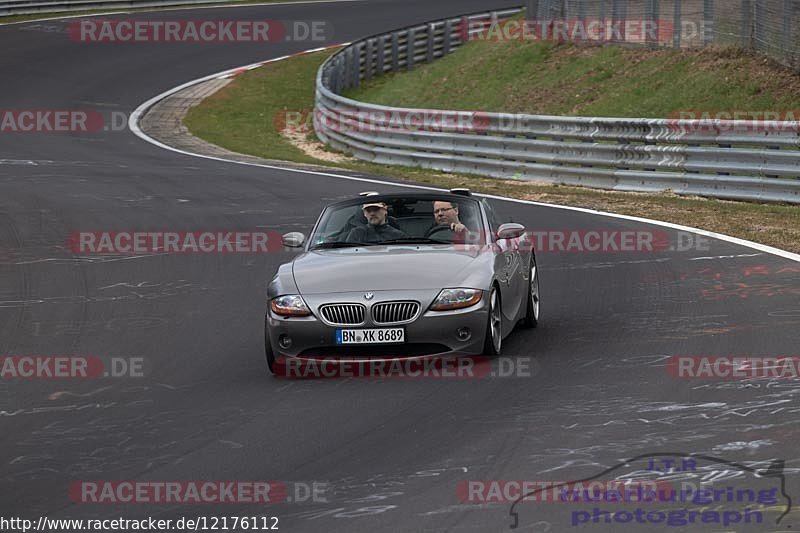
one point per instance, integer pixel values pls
(493, 340)
(270, 354)
(531, 319)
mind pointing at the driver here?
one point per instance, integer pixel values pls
(377, 229)
(447, 225)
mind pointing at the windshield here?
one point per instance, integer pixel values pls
(406, 220)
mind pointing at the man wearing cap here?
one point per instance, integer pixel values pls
(377, 229)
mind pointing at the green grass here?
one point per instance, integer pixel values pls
(244, 117)
(241, 117)
(566, 79)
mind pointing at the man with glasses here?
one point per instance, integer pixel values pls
(447, 224)
(377, 229)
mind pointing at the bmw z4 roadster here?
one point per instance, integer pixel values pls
(406, 275)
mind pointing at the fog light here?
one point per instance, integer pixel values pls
(464, 334)
(285, 341)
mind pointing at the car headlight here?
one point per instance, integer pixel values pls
(456, 299)
(289, 305)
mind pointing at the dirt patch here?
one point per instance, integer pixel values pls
(314, 149)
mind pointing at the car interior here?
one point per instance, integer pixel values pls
(413, 217)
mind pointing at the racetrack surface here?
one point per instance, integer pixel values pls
(391, 451)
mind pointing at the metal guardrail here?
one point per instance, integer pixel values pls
(32, 7)
(715, 158)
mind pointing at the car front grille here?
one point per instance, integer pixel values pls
(394, 312)
(343, 314)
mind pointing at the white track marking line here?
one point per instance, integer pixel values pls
(31, 21)
(133, 124)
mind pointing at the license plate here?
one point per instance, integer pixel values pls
(371, 336)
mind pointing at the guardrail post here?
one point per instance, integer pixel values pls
(448, 35)
(326, 78)
(343, 73)
(653, 12)
(348, 60)
(795, 16)
(431, 42)
(344, 66)
(395, 51)
(545, 9)
(532, 9)
(759, 19)
(582, 13)
(709, 35)
(677, 24)
(619, 10)
(787, 29)
(329, 77)
(355, 81)
(368, 59)
(380, 56)
(618, 14)
(411, 48)
(337, 75)
(747, 24)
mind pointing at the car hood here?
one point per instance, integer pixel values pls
(376, 268)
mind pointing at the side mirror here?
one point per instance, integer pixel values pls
(294, 239)
(510, 230)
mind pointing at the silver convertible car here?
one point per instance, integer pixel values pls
(406, 275)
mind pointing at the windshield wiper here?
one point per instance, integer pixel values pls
(415, 240)
(339, 244)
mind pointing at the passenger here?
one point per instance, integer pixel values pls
(377, 229)
(447, 226)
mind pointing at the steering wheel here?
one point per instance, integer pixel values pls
(439, 229)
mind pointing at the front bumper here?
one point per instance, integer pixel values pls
(432, 333)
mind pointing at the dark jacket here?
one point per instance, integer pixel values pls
(372, 234)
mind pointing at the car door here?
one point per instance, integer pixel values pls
(509, 269)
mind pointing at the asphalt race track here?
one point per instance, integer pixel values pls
(390, 453)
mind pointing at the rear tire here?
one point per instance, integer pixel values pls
(493, 340)
(531, 319)
(270, 354)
